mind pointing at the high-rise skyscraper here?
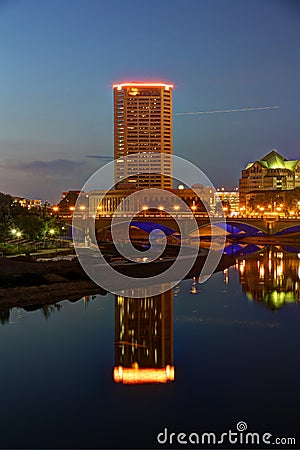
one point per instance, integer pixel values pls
(143, 126)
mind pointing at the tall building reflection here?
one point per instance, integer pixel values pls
(271, 276)
(144, 347)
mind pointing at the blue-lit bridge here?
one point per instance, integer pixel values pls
(235, 227)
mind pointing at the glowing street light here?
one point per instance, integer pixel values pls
(17, 233)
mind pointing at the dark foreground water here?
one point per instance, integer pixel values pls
(233, 342)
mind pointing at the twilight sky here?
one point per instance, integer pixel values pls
(59, 59)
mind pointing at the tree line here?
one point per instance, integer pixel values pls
(34, 223)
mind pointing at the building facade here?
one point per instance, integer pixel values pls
(28, 203)
(103, 203)
(143, 129)
(229, 199)
(272, 172)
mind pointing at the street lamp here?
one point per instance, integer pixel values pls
(145, 209)
(18, 234)
(51, 232)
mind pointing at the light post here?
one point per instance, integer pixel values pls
(145, 209)
(63, 229)
(18, 234)
(13, 232)
(51, 232)
(85, 224)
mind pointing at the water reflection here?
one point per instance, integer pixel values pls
(144, 339)
(4, 316)
(271, 276)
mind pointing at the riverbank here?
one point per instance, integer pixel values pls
(26, 283)
(39, 296)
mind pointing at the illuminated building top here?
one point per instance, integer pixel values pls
(142, 84)
(274, 160)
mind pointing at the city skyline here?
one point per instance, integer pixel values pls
(59, 63)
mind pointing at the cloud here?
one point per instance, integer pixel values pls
(42, 179)
(57, 167)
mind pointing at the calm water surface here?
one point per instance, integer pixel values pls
(233, 343)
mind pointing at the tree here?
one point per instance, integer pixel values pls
(6, 220)
(30, 224)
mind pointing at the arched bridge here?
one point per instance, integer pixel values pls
(239, 226)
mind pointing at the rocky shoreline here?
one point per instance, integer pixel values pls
(28, 296)
(27, 283)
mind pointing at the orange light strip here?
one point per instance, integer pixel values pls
(143, 84)
(140, 376)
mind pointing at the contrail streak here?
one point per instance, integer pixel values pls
(258, 108)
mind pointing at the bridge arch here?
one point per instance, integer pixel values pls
(288, 230)
(148, 227)
(151, 226)
(236, 228)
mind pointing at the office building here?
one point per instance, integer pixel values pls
(272, 172)
(143, 129)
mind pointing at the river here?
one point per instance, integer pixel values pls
(114, 372)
